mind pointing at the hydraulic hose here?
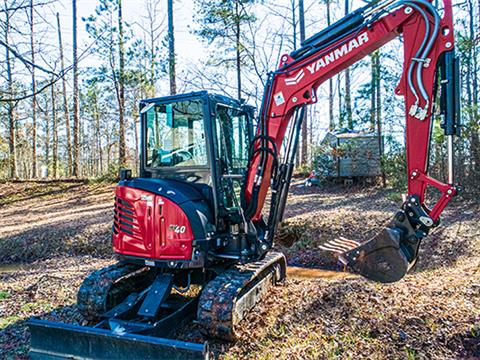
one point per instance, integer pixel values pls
(251, 208)
(423, 50)
(420, 49)
(429, 46)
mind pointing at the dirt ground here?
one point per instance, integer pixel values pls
(53, 235)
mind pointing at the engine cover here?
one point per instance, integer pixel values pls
(155, 219)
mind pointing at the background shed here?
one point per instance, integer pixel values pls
(349, 154)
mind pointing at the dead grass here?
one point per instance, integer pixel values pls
(434, 313)
(55, 219)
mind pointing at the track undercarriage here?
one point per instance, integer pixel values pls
(139, 307)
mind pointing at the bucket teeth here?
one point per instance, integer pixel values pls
(339, 245)
(353, 242)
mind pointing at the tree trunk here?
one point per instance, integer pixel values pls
(121, 84)
(340, 106)
(378, 114)
(47, 140)
(331, 122)
(66, 113)
(294, 27)
(475, 140)
(98, 139)
(83, 166)
(153, 53)
(237, 46)
(373, 85)
(171, 49)
(304, 158)
(348, 96)
(34, 97)
(55, 133)
(135, 134)
(10, 104)
(76, 120)
(348, 100)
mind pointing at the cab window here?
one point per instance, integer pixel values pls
(175, 135)
(232, 136)
(233, 148)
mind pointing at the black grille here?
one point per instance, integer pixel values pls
(125, 219)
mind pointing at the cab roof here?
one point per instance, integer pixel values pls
(197, 94)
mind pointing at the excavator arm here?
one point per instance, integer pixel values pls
(429, 62)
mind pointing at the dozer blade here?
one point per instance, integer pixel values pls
(51, 340)
(380, 258)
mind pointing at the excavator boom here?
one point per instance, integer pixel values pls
(428, 46)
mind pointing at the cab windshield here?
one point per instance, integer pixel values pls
(175, 134)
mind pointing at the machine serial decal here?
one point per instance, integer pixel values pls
(177, 228)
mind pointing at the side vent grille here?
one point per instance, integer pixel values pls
(125, 219)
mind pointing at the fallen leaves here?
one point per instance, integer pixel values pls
(434, 313)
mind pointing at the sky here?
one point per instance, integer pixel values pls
(188, 47)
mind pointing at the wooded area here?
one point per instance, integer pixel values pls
(71, 110)
(72, 75)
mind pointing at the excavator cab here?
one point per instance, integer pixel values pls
(194, 155)
(201, 139)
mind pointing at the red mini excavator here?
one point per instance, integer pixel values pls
(191, 235)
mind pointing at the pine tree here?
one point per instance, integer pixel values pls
(222, 22)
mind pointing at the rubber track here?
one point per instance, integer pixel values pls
(93, 293)
(218, 298)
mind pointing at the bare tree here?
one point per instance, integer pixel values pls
(55, 132)
(153, 31)
(348, 97)
(373, 85)
(304, 130)
(171, 49)
(340, 106)
(34, 92)
(331, 123)
(472, 94)
(66, 112)
(378, 113)
(121, 88)
(76, 120)
(10, 104)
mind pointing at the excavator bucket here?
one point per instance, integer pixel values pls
(380, 259)
(53, 341)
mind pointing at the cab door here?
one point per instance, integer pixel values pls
(233, 129)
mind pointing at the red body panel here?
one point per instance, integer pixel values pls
(150, 226)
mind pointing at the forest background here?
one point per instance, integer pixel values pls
(72, 75)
